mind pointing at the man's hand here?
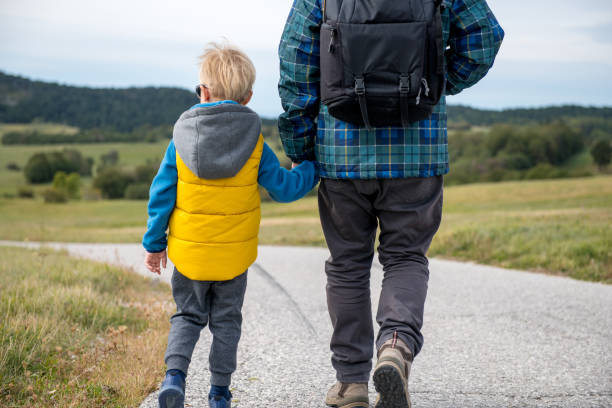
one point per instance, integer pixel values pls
(152, 260)
(294, 165)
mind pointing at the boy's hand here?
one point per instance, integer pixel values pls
(152, 260)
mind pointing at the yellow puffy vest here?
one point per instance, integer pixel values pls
(215, 223)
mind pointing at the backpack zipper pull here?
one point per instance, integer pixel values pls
(426, 85)
(331, 40)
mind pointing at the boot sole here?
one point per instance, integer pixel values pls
(351, 405)
(171, 397)
(390, 385)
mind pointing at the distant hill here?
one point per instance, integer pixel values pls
(23, 101)
(480, 117)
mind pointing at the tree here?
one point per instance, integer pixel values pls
(38, 169)
(601, 153)
(69, 183)
(112, 182)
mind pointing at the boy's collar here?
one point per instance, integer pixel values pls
(207, 104)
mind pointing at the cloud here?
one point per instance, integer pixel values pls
(555, 51)
(601, 33)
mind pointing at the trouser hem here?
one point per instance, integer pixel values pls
(408, 340)
(177, 363)
(221, 380)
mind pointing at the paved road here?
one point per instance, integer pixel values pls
(493, 337)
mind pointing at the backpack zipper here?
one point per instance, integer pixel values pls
(423, 84)
(331, 40)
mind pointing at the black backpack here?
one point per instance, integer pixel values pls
(382, 61)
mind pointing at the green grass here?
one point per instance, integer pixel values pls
(77, 333)
(555, 226)
(558, 226)
(48, 128)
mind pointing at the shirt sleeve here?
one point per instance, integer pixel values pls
(299, 79)
(474, 40)
(285, 185)
(162, 198)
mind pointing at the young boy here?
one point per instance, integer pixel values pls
(206, 192)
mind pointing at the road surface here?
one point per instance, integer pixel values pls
(493, 337)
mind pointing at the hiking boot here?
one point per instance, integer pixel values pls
(172, 392)
(219, 401)
(391, 374)
(343, 395)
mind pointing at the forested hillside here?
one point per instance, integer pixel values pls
(479, 117)
(24, 101)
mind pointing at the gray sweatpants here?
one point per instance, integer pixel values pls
(216, 303)
(409, 213)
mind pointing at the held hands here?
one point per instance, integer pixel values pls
(294, 165)
(152, 260)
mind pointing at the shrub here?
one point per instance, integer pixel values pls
(112, 182)
(41, 167)
(145, 173)
(25, 192)
(601, 153)
(70, 183)
(544, 171)
(12, 166)
(109, 159)
(515, 161)
(53, 195)
(138, 191)
(38, 169)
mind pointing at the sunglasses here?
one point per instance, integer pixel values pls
(198, 89)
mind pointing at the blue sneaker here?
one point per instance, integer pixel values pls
(219, 401)
(172, 392)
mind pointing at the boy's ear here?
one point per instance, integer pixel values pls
(247, 99)
(204, 94)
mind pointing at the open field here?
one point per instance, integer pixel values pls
(77, 333)
(557, 226)
(47, 128)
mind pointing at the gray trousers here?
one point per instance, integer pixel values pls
(409, 213)
(198, 303)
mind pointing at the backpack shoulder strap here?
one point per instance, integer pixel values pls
(331, 9)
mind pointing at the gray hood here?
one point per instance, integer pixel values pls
(216, 141)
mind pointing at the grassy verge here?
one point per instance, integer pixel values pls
(557, 226)
(77, 333)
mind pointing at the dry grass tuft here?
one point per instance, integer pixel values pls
(78, 333)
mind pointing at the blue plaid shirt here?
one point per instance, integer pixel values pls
(343, 150)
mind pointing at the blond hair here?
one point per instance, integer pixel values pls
(227, 72)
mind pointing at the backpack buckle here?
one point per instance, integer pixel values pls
(359, 86)
(404, 85)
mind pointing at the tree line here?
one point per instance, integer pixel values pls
(24, 101)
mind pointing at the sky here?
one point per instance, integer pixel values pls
(555, 51)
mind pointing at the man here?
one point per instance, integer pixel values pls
(389, 177)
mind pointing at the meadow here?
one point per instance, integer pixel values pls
(130, 155)
(559, 226)
(554, 226)
(77, 333)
